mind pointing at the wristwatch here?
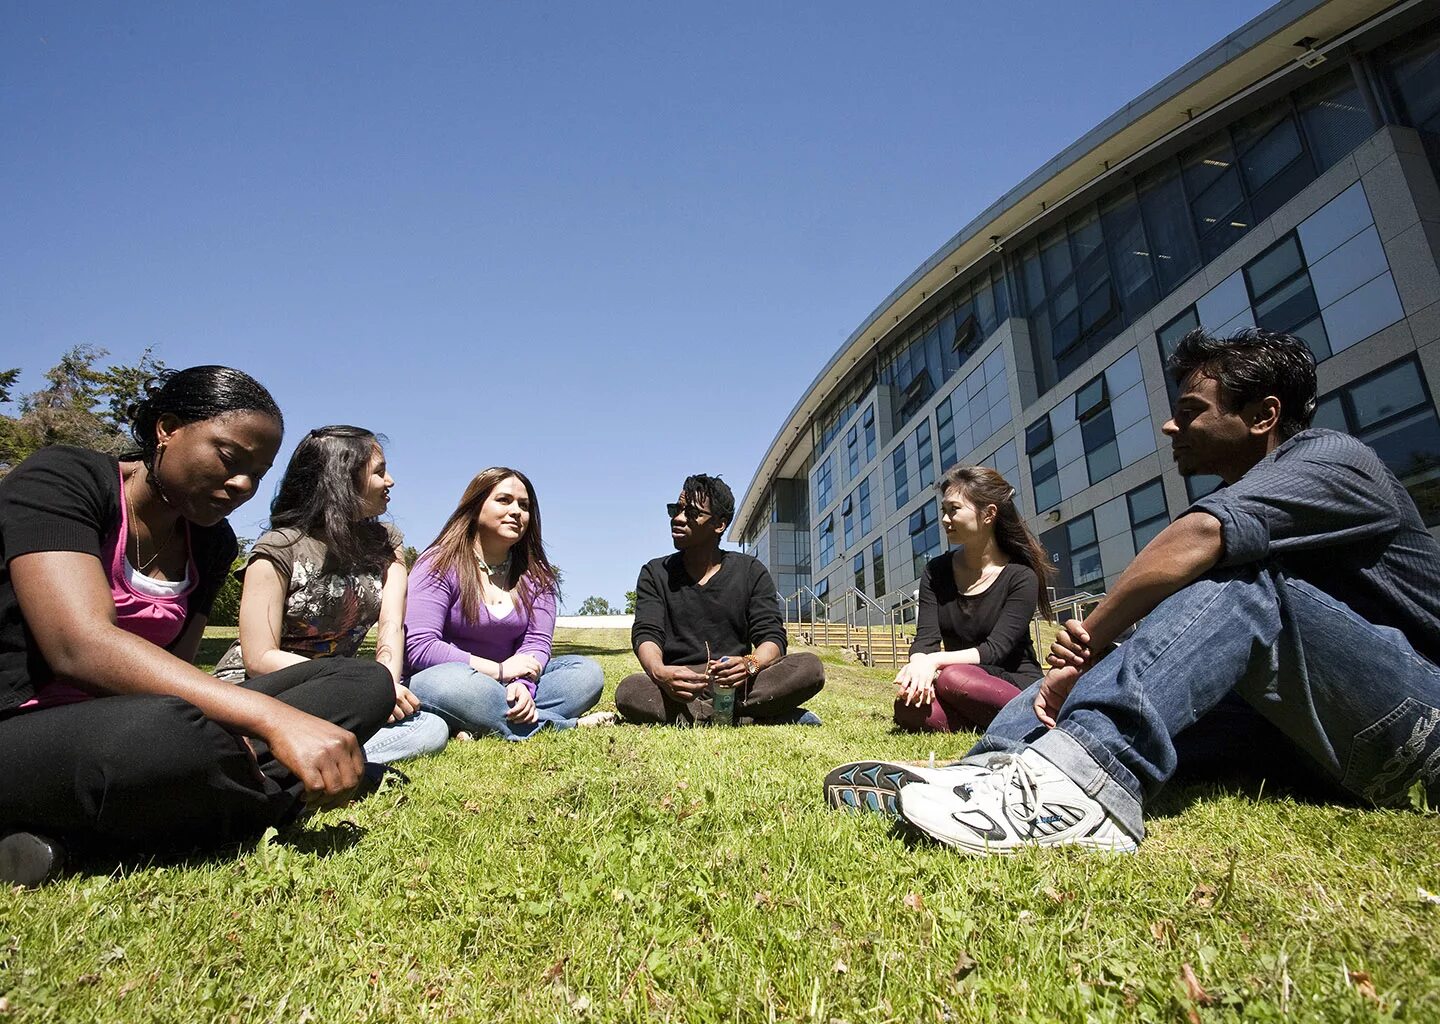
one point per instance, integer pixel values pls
(752, 667)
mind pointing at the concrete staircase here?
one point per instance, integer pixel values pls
(874, 648)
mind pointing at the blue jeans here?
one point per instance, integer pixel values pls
(470, 700)
(415, 735)
(1353, 696)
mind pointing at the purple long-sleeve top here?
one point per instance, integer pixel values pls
(437, 632)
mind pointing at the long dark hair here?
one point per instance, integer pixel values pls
(194, 394)
(454, 548)
(981, 486)
(319, 496)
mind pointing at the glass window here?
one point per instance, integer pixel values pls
(1038, 435)
(1274, 267)
(923, 455)
(1390, 410)
(865, 517)
(902, 476)
(1090, 399)
(1148, 514)
(924, 535)
(945, 431)
(1084, 550)
(1394, 390)
(1169, 336)
(852, 452)
(1130, 259)
(827, 541)
(1172, 242)
(1414, 74)
(824, 490)
(1334, 117)
(877, 566)
(869, 426)
(1217, 202)
(857, 566)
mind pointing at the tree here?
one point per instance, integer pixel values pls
(596, 606)
(80, 405)
(630, 598)
(409, 554)
(225, 611)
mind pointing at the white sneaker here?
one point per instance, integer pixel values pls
(875, 785)
(1023, 800)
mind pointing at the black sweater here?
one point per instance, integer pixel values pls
(736, 611)
(996, 622)
(68, 499)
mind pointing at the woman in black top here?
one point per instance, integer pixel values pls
(107, 573)
(972, 651)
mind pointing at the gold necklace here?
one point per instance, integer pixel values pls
(142, 568)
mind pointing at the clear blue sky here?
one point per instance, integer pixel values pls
(609, 244)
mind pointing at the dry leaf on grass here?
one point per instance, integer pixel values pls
(914, 901)
(1203, 895)
(1163, 931)
(1192, 986)
(555, 970)
(964, 964)
(1056, 896)
(762, 899)
(841, 967)
(473, 807)
(1364, 985)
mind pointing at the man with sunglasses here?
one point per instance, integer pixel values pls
(707, 617)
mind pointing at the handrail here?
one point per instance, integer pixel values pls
(850, 614)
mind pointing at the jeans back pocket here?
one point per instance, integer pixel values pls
(1387, 757)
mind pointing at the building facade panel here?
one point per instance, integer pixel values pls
(1299, 211)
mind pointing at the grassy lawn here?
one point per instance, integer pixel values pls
(633, 874)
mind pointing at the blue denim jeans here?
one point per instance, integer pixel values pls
(470, 700)
(1353, 696)
(416, 734)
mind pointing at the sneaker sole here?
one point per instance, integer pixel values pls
(868, 786)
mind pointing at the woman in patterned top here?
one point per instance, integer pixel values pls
(325, 573)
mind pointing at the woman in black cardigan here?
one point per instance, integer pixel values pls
(972, 651)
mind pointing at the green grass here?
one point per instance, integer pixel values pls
(633, 874)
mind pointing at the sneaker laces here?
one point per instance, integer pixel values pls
(1007, 770)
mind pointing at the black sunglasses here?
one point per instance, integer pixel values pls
(692, 513)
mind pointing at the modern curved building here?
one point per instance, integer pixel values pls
(1287, 177)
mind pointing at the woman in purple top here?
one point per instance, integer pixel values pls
(479, 619)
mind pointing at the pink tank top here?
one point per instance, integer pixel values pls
(157, 619)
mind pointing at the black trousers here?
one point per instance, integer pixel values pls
(153, 772)
(777, 689)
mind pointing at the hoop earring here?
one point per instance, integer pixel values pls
(154, 475)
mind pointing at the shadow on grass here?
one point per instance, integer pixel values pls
(323, 841)
(591, 649)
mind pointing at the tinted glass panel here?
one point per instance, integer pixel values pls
(1081, 532)
(1103, 462)
(1334, 117)
(1269, 145)
(1273, 268)
(1090, 398)
(1389, 393)
(1176, 329)
(1330, 414)
(1292, 304)
(1172, 244)
(1147, 502)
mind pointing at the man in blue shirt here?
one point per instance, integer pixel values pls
(1307, 587)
